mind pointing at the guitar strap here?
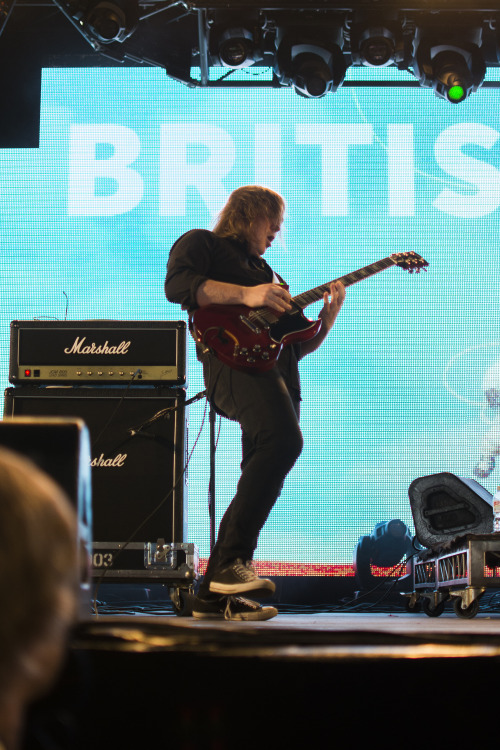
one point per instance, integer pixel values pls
(201, 350)
(277, 279)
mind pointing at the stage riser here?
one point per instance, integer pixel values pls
(217, 700)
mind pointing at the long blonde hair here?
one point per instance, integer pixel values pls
(244, 206)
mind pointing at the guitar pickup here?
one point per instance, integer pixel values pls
(252, 326)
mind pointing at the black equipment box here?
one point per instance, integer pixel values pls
(60, 447)
(97, 351)
(138, 454)
(167, 563)
(445, 506)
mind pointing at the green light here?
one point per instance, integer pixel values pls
(456, 93)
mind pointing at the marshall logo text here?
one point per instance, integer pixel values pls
(117, 461)
(79, 347)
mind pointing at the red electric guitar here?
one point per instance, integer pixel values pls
(248, 338)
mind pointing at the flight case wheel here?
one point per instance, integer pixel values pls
(466, 612)
(182, 601)
(431, 609)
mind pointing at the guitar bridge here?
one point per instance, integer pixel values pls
(249, 324)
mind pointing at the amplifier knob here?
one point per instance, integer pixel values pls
(99, 372)
(89, 373)
(78, 372)
(111, 372)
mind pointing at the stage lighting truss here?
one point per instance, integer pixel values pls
(446, 48)
(310, 60)
(6, 7)
(449, 61)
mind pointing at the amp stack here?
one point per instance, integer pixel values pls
(126, 380)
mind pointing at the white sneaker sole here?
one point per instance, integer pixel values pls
(266, 613)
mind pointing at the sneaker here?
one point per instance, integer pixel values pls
(232, 608)
(238, 578)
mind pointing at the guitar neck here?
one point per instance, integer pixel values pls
(313, 295)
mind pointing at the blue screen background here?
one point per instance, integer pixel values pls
(404, 386)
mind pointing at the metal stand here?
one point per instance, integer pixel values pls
(211, 484)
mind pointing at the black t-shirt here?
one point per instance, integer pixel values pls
(200, 255)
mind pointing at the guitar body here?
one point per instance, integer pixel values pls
(252, 339)
(244, 340)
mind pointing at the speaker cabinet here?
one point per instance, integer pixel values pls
(138, 484)
(445, 506)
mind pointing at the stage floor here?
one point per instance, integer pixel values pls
(305, 636)
(387, 622)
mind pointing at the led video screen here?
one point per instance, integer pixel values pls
(408, 381)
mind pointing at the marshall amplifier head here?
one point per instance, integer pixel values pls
(97, 351)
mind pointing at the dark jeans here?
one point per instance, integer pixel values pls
(271, 441)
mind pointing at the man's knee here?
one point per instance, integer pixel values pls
(287, 445)
(296, 443)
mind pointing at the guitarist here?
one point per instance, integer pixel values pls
(227, 267)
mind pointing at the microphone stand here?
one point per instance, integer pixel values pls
(211, 484)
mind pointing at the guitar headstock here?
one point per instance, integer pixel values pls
(410, 261)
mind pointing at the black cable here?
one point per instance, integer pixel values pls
(352, 604)
(384, 579)
(115, 410)
(67, 306)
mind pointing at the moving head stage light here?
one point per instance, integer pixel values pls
(237, 48)
(310, 60)
(385, 547)
(378, 41)
(449, 61)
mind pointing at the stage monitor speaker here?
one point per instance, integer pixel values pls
(61, 448)
(445, 506)
(138, 484)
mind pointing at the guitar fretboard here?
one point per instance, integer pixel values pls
(409, 261)
(313, 295)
